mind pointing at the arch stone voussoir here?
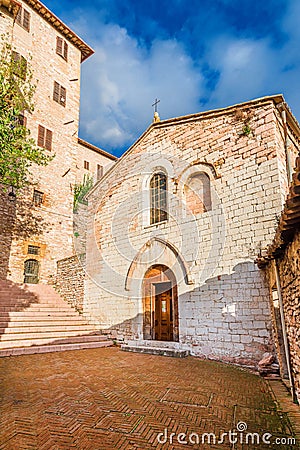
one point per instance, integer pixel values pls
(137, 259)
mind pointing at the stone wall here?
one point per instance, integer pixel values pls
(7, 219)
(94, 157)
(70, 280)
(223, 303)
(289, 270)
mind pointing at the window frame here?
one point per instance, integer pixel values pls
(22, 64)
(62, 48)
(36, 250)
(45, 138)
(59, 94)
(38, 198)
(23, 18)
(86, 165)
(158, 198)
(100, 171)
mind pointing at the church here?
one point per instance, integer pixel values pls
(174, 228)
(173, 247)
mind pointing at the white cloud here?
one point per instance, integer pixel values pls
(247, 69)
(122, 79)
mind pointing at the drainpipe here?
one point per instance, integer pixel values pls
(286, 150)
(283, 326)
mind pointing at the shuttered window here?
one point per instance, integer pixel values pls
(23, 18)
(62, 48)
(99, 171)
(59, 94)
(86, 165)
(44, 138)
(20, 66)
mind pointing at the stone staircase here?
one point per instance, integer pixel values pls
(35, 319)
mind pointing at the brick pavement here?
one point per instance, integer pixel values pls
(108, 399)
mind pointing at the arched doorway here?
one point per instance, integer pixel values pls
(160, 304)
(31, 271)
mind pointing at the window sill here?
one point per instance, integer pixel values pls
(164, 222)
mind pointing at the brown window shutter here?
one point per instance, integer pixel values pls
(99, 171)
(48, 141)
(41, 136)
(56, 92)
(63, 95)
(16, 56)
(26, 20)
(19, 16)
(59, 45)
(65, 50)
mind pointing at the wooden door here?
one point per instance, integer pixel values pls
(163, 312)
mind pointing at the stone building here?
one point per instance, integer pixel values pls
(37, 230)
(281, 263)
(175, 226)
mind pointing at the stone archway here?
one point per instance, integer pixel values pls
(160, 304)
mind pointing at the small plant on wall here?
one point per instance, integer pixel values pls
(81, 189)
(245, 116)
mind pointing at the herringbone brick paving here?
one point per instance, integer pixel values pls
(107, 399)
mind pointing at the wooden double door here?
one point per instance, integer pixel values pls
(160, 304)
(163, 312)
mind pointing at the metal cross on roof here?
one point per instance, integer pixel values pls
(155, 104)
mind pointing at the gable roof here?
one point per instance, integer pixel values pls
(278, 99)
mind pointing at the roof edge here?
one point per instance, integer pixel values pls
(96, 149)
(276, 98)
(49, 16)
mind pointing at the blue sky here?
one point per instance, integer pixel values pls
(193, 55)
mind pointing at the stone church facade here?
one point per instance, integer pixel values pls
(37, 228)
(176, 225)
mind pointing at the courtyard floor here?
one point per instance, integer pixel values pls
(108, 399)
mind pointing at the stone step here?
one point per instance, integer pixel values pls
(38, 308)
(49, 328)
(32, 313)
(54, 347)
(42, 322)
(17, 316)
(161, 351)
(41, 334)
(89, 337)
(153, 343)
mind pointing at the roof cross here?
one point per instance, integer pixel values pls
(155, 104)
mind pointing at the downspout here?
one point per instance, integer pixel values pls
(286, 150)
(284, 333)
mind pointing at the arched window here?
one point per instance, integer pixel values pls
(198, 193)
(158, 198)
